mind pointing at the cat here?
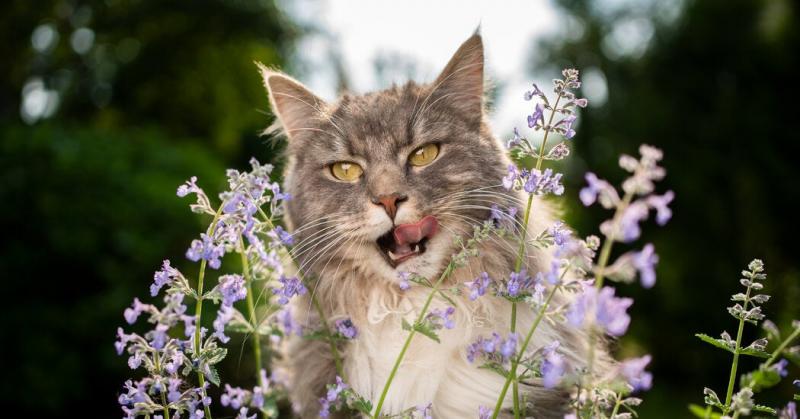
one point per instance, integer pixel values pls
(382, 183)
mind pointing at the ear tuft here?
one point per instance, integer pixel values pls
(292, 103)
(462, 78)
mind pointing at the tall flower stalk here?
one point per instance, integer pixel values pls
(521, 148)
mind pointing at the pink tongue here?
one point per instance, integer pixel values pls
(405, 234)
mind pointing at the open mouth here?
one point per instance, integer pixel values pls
(405, 241)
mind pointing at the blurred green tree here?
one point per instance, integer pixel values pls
(105, 108)
(709, 82)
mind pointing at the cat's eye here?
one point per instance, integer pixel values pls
(346, 171)
(424, 155)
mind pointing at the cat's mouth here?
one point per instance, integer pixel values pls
(405, 241)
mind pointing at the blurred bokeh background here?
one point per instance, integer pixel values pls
(107, 105)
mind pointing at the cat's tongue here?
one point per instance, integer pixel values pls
(406, 235)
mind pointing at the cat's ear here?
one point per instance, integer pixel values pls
(292, 103)
(462, 79)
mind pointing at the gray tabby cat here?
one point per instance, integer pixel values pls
(382, 183)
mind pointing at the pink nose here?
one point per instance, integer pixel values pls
(405, 234)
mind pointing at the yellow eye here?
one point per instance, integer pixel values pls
(346, 171)
(424, 155)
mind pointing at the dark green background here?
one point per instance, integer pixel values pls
(89, 210)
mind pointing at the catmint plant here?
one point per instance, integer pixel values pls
(746, 309)
(240, 226)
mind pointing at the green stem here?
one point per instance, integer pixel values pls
(420, 317)
(251, 313)
(337, 359)
(163, 393)
(515, 361)
(198, 312)
(602, 262)
(777, 352)
(735, 364)
(522, 242)
(616, 407)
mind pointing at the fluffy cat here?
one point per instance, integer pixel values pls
(364, 210)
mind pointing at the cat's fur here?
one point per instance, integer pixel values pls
(336, 225)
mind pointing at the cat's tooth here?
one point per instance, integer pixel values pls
(416, 248)
(393, 256)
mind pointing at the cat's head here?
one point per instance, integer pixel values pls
(385, 181)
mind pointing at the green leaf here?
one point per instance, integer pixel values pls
(754, 352)
(213, 375)
(719, 343)
(238, 327)
(764, 409)
(407, 325)
(425, 329)
(797, 396)
(215, 355)
(449, 300)
(760, 379)
(703, 412)
(317, 335)
(494, 366)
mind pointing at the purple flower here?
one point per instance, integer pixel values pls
(598, 189)
(509, 346)
(628, 229)
(287, 323)
(494, 349)
(206, 249)
(277, 195)
(567, 126)
(484, 412)
(233, 397)
(243, 414)
(645, 262)
(511, 177)
(603, 309)
(478, 286)
(560, 233)
(332, 397)
(633, 372)
(173, 393)
(163, 277)
(504, 220)
(518, 283)
(132, 313)
(659, 203)
(404, 277)
(788, 412)
(553, 365)
(158, 336)
(232, 289)
(189, 187)
(425, 411)
(541, 183)
(537, 117)
(442, 318)
(346, 328)
(582, 102)
(281, 236)
(780, 367)
(535, 92)
(517, 140)
(290, 287)
(122, 341)
(175, 362)
(224, 316)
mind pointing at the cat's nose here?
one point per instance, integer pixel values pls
(390, 202)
